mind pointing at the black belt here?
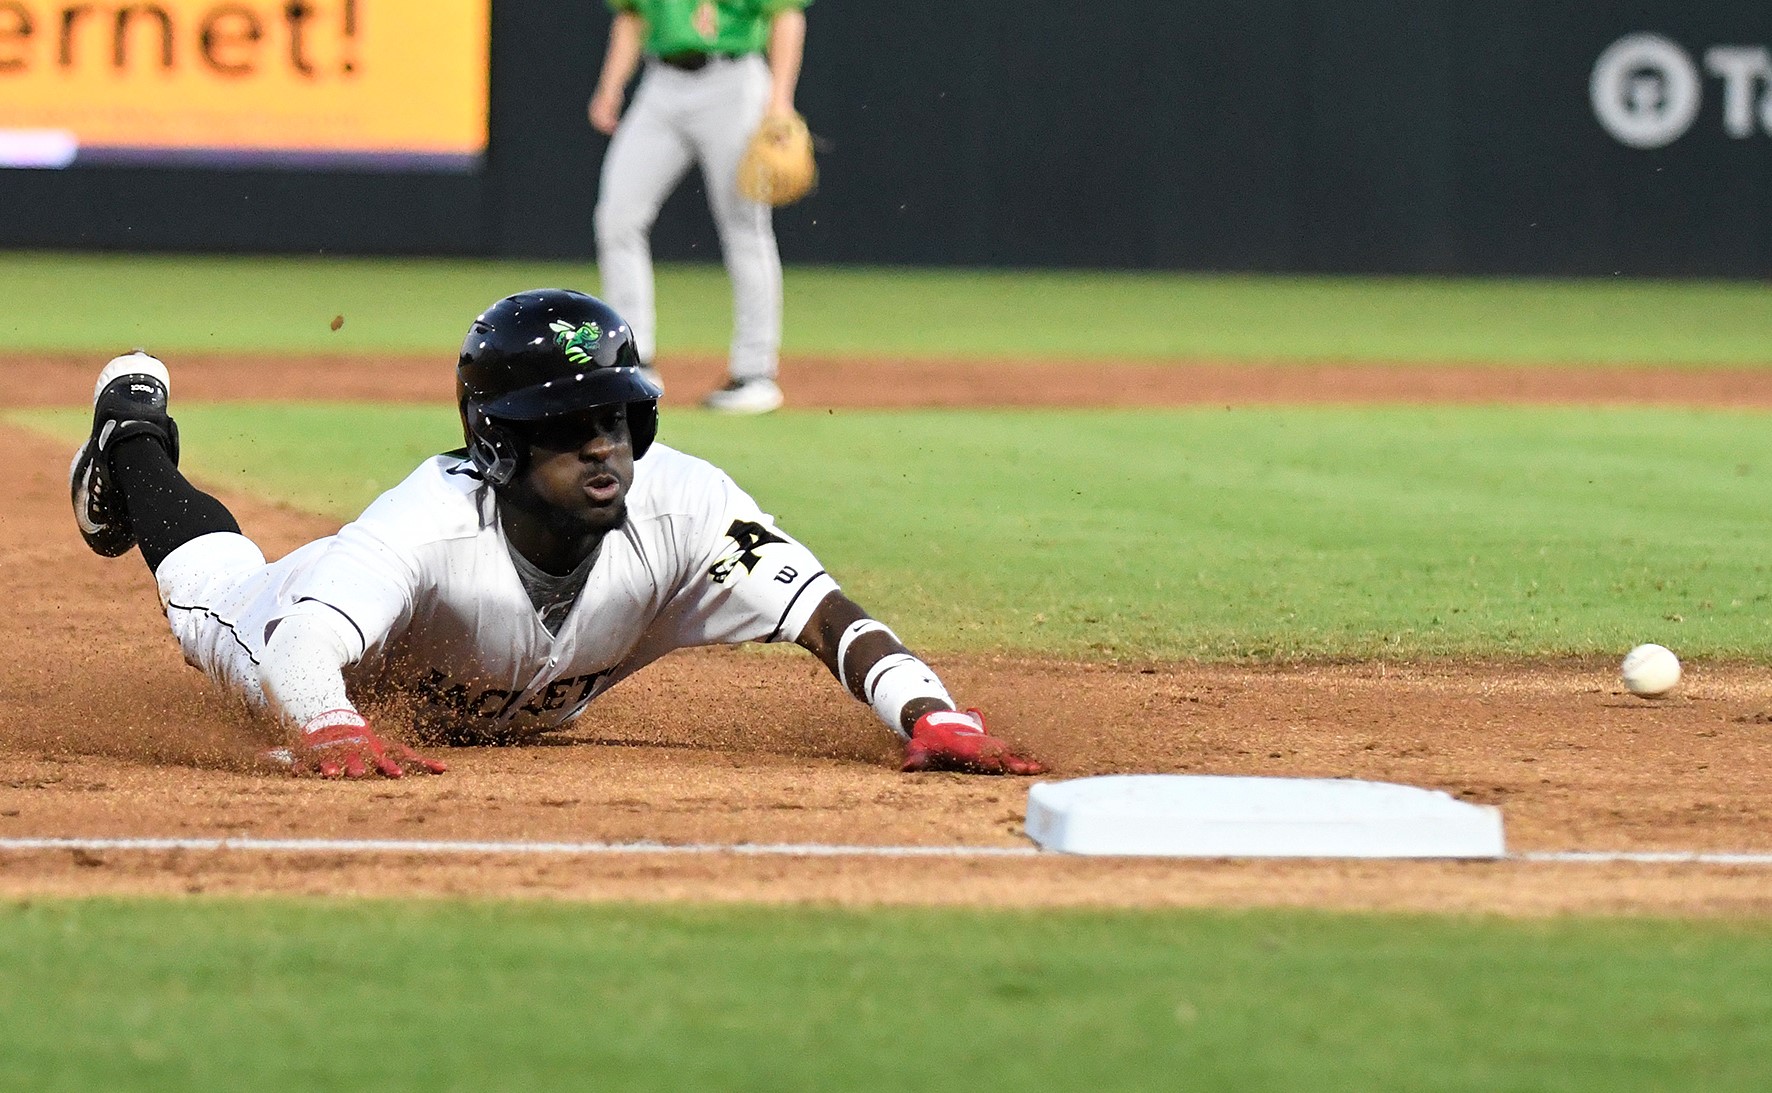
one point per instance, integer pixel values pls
(693, 61)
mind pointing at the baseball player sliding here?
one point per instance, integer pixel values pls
(502, 587)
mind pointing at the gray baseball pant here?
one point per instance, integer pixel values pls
(678, 118)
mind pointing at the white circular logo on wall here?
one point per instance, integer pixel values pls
(1645, 90)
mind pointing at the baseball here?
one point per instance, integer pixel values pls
(1650, 671)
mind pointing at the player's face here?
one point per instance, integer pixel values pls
(581, 465)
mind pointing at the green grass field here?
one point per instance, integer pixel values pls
(229, 995)
(1248, 534)
(1269, 533)
(172, 303)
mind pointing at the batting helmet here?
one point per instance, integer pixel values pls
(540, 354)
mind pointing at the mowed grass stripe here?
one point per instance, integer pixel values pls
(200, 994)
(1257, 534)
(258, 305)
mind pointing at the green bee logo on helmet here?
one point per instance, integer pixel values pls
(577, 342)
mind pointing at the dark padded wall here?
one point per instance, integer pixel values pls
(1289, 135)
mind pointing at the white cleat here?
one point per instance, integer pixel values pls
(128, 400)
(753, 396)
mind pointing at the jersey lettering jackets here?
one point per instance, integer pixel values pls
(442, 623)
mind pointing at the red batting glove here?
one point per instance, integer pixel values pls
(946, 740)
(340, 744)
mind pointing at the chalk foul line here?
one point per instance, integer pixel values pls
(442, 846)
(250, 844)
(1648, 857)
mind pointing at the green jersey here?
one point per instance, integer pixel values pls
(706, 26)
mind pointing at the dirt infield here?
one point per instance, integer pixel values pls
(816, 382)
(104, 732)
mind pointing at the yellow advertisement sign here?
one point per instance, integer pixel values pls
(378, 84)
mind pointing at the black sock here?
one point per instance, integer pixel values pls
(165, 510)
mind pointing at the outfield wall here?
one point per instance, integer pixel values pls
(1578, 137)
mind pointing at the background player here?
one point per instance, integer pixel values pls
(705, 90)
(500, 588)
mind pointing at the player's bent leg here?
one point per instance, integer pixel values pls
(124, 483)
(129, 401)
(165, 510)
(208, 590)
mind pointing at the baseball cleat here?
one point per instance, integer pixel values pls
(128, 400)
(753, 396)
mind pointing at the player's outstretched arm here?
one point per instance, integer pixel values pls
(340, 744)
(302, 672)
(875, 667)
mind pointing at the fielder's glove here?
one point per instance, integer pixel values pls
(777, 167)
(340, 744)
(946, 740)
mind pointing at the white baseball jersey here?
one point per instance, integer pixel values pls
(426, 579)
